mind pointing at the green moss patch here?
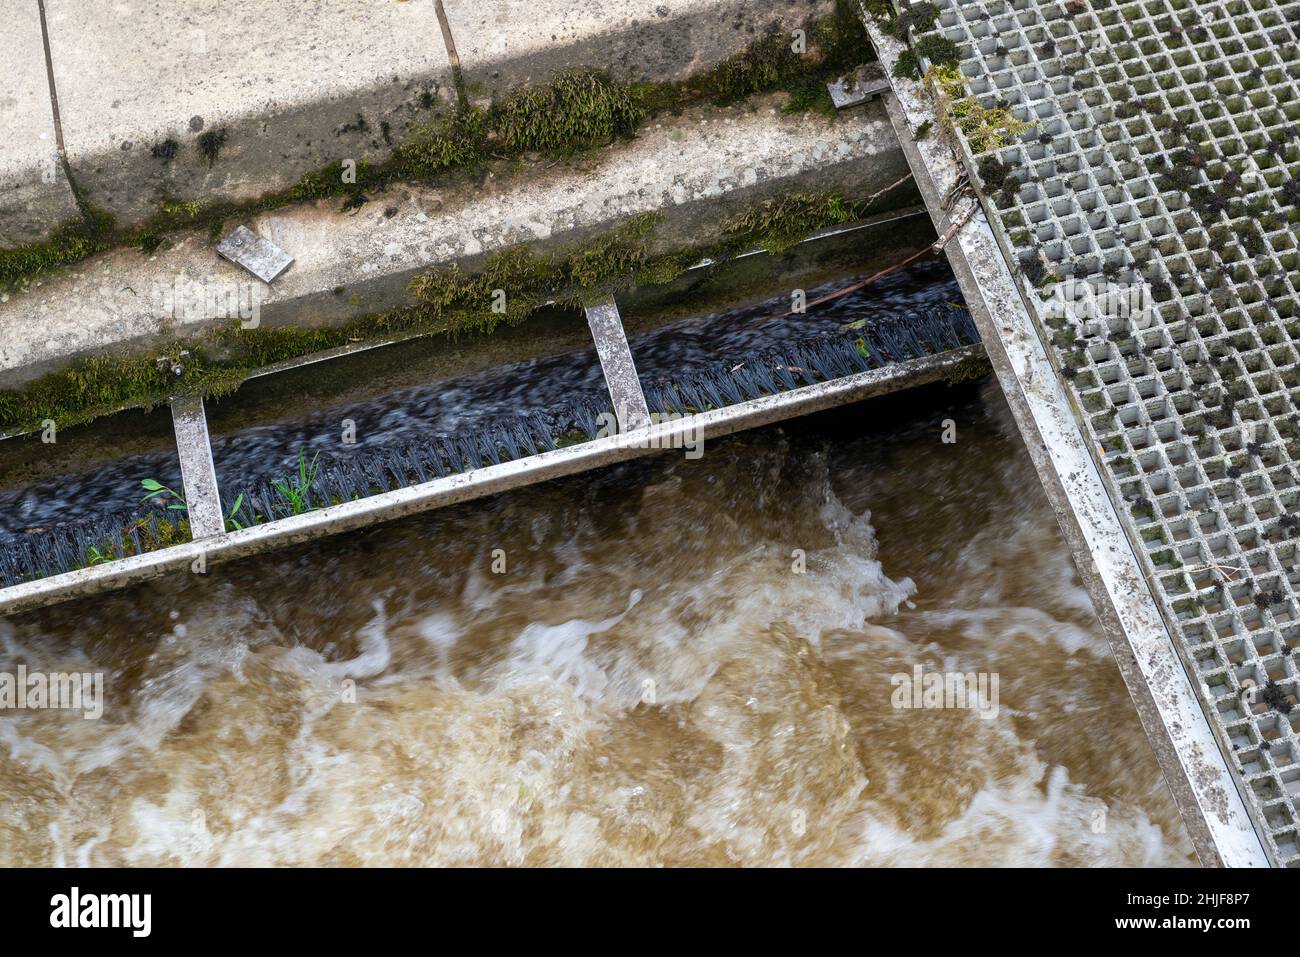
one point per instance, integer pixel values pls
(449, 142)
(778, 224)
(580, 108)
(907, 66)
(68, 245)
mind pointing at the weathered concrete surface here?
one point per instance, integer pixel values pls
(618, 366)
(34, 195)
(699, 169)
(1197, 773)
(478, 483)
(504, 43)
(296, 85)
(198, 472)
(289, 82)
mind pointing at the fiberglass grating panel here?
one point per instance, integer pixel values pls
(1164, 153)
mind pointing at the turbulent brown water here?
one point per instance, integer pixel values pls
(648, 682)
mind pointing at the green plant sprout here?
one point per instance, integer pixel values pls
(295, 492)
(156, 488)
(231, 522)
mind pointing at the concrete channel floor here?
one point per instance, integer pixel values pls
(1159, 167)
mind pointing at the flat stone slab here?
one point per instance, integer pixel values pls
(34, 195)
(263, 258)
(856, 88)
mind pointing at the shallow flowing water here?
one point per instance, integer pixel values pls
(650, 680)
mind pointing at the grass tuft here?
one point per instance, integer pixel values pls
(777, 225)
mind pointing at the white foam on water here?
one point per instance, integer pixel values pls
(559, 653)
(1042, 822)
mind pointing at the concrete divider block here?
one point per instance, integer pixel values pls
(274, 89)
(199, 475)
(34, 195)
(618, 365)
(504, 43)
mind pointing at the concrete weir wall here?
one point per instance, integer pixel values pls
(505, 43)
(277, 89)
(696, 169)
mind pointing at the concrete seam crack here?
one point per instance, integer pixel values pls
(450, 42)
(58, 119)
(49, 75)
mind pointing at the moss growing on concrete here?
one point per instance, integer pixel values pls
(776, 225)
(71, 243)
(767, 64)
(940, 51)
(832, 46)
(100, 384)
(577, 109)
(68, 245)
(993, 174)
(449, 302)
(970, 369)
(446, 143)
(181, 209)
(210, 144)
(516, 281)
(907, 66)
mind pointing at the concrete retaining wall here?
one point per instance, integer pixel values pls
(291, 86)
(699, 168)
